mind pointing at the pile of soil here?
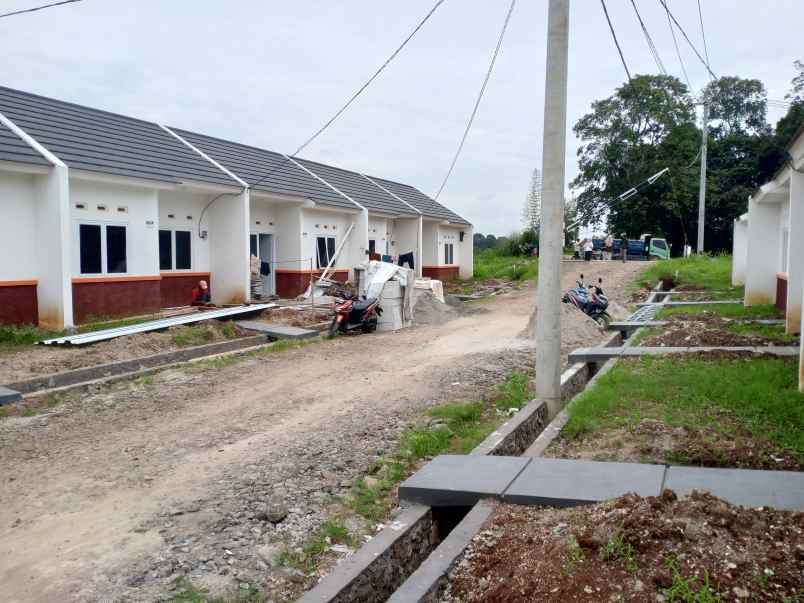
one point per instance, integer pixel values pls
(696, 548)
(428, 310)
(37, 360)
(653, 441)
(577, 329)
(481, 288)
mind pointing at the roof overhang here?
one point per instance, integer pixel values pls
(278, 197)
(332, 208)
(775, 191)
(88, 176)
(23, 168)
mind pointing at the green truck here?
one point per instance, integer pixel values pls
(648, 247)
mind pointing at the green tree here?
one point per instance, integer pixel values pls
(736, 106)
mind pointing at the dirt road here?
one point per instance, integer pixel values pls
(113, 495)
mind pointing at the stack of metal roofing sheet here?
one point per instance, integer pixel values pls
(155, 325)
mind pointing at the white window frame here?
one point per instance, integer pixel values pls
(323, 265)
(449, 253)
(173, 250)
(104, 259)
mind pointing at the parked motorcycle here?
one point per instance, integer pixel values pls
(352, 314)
(591, 301)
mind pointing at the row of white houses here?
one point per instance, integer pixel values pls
(106, 215)
(768, 254)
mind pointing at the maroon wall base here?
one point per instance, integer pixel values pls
(441, 273)
(292, 283)
(18, 304)
(96, 299)
(781, 292)
(177, 289)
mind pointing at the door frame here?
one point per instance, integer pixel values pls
(257, 233)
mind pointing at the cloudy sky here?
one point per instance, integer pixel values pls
(269, 73)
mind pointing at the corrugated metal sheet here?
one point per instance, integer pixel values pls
(253, 164)
(154, 325)
(99, 141)
(13, 148)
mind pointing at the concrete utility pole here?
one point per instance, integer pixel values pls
(702, 191)
(551, 239)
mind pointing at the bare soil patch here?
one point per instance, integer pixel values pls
(31, 361)
(653, 441)
(297, 316)
(705, 329)
(697, 548)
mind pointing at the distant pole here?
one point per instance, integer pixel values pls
(548, 293)
(702, 191)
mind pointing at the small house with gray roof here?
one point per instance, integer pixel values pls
(107, 215)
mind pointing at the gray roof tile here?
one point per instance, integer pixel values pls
(13, 148)
(273, 171)
(430, 208)
(99, 141)
(372, 197)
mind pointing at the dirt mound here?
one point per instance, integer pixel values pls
(684, 334)
(696, 548)
(428, 310)
(577, 329)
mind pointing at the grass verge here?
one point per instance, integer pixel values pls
(774, 332)
(491, 264)
(712, 273)
(756, 398)
(724, 310)
(184, 591)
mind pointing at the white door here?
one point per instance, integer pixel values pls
(266, 249)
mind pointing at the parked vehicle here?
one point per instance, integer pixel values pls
(591, 301)
(352, 314)
(648, 247)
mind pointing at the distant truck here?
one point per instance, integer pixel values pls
(647, 247)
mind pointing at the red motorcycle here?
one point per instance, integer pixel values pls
(352, 314)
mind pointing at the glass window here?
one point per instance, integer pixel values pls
(449, 253)
(115, 249)
(372, 246)
(165, 250)
(330, 249)
(252, 245)
(183, 252)
(325, 250)
(660, 244)
(90, 245)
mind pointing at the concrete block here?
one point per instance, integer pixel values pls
(461, 480)
(746, 487)
(566, 483)
(7, 395)
(276, 331)
(627, 328)
(585, 355)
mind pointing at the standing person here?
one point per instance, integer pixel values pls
(576, 250)
(588, 247)
(608, 246)
(624, 246)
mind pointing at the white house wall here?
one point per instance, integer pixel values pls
(467, 253)
(795, 254)
(323, 223)
(134, 207)
(739, 252)
(430, 253)
(228, 223)
(18, 230)
(447, 234)
(763, 253)
(181, 210)
(381, 231)
(405, 238)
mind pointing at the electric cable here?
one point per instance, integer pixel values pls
(479, 98)
(703, 33)
(336, 115)
(36, 8)
(651, 46)
(616, 42)
(687, 38)
(678, 54)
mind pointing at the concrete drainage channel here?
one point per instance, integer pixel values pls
(410, 559)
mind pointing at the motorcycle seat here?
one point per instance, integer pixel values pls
(361, 305)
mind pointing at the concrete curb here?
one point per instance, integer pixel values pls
(93, 374)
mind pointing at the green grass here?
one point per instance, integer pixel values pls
(184, 591)
(106, 323)
(307, 556)
(710, 273)
(459, 429)
(775, 332)
(490, 264)
(618, 548)
(191, 335)
(759, 395)
(724, 310)
(689, 590)
(14, 336)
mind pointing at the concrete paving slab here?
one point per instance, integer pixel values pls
(461, 480)
(746, 487)
(277, 331)
(8, 395)
(566, 483)
(627, 328)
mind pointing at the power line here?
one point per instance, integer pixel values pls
(703, 33)
(362, 88)
(479, 98)
(337, 114)
(651, 45)
(687, 38)
(616, 43)
(36, 8)
(678, 53)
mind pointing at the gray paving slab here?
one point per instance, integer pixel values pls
(461, 480)
(566, 483)
(746, 487)
(8, 395)
(627, 328)
(277, 331)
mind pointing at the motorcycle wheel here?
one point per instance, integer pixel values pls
(370, 326)
(603, 320)
(334, 327)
